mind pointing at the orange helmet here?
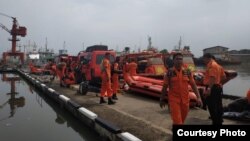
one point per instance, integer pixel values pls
(248, 96)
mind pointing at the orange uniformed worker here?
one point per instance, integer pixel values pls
(69, 78)
(60, 71)
(115, 78)
(177, 79)
(125, 70)
(53, 69)
(132, 67)
(214, 77)
(84, 71)
(150, 69)
(106, 80)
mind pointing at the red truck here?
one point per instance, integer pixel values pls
(92, 58)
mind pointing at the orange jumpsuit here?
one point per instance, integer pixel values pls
(73, 65)
(125, 72)
(106, 82)
(70, 79)
(213, 70)
(115, 79)
(61, 72)
(53, 69)
(178, 94)
(48, 65)
(132, 67)
(150, 69)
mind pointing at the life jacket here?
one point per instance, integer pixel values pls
(172, 73)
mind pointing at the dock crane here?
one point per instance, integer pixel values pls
(14, 32)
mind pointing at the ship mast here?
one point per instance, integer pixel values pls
(179, 45)
(46, 45)
(64, 45)
(149, 43)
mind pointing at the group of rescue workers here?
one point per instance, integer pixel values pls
(177, 80)
(113, 71)
(69, 72)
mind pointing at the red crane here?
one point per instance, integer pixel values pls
(14, 32)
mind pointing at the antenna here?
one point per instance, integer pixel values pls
(46, 45)
(34, 46)
(149, 42)
(64, 45)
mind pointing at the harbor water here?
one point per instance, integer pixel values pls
(241, 84)
(28, 115)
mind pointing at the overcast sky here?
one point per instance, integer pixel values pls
(120, 23)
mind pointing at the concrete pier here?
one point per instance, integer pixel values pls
(134, 117)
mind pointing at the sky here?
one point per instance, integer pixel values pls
(121, 23)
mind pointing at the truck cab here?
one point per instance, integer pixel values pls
(92, 59)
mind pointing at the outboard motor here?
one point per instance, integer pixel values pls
(198, 77)
(83, 87)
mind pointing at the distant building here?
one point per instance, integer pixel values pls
(219, 52)
(240, 52)
(242, 55)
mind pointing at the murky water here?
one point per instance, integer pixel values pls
(27, 115)
(239, 85)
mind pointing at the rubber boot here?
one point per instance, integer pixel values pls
(110, 101)
(114, 96)
(102, 100)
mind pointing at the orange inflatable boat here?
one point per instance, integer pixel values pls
(199, 76)
(151, 87)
